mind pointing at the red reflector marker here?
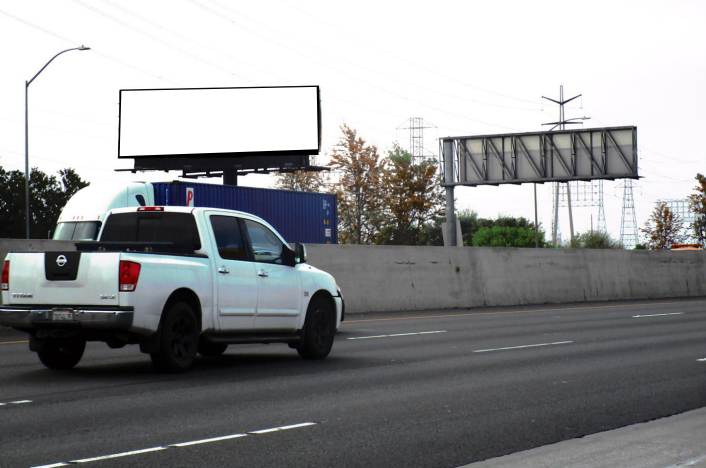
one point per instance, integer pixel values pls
(129, 273)
(6, 275)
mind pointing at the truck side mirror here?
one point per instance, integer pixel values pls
(300, 253)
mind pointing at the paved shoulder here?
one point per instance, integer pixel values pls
(675, 441)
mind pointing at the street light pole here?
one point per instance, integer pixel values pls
(27, 83)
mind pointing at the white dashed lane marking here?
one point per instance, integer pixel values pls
(658, 315)
(522, 347)
(18, 402)
(396, 334)
(179, 445)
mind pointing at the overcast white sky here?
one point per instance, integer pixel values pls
(467, 67)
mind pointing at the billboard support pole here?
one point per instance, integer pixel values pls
(448, 155)
(230, 177)
(536, 224)
(571, 217)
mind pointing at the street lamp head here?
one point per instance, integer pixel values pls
(84, 48)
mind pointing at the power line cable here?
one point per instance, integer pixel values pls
(341, 72)
(377, 47)
(94, 51)
(189, 39)
(158, 40)
(372, 70)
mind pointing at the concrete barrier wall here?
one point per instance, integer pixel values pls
(382, 278)
(387, 278)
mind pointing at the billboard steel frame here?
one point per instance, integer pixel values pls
(535, 157)
(599, 153)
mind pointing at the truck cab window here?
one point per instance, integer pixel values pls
(178, 228)
(266, 246)
(229, 239)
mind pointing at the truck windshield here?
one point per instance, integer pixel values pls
(82, 230)
(178, 228)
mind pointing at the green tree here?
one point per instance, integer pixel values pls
(48, 195)
(506, 236)
(472, 224)
(594, 240)
(698, 205)
(360, 202)
(663, 228)
(412, 196)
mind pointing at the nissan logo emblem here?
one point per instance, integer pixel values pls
(61, 260)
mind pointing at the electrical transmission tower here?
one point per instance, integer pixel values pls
(601, 211)
(684, 210)
(416, 126)
(628, 222)
(562, 123)
(584, 194)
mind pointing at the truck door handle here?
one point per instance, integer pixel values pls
(263, 273)
(224, 270)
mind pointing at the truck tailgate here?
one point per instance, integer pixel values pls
(63, 278)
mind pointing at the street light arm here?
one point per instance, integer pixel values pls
(52, 59)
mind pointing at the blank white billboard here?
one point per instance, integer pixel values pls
(219, 121)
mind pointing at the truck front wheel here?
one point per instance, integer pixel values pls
(61, 354)
(179, 338)
(319, 330)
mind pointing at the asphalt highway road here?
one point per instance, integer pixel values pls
(426, 389)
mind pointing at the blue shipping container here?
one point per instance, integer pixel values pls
(309, 218)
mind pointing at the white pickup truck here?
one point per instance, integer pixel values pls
(177, 281)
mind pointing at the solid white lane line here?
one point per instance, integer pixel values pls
(658, 315)
(521, 347)
(118, 455)
(205, 441)
(182, 444)
(283, 428)
(396, 334)
(702, 360)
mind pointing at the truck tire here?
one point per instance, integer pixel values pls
(211, 349)
(319, 330)
(61, 354)
(179, 338)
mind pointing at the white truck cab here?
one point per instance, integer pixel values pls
(83, 215)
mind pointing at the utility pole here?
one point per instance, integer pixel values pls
(562, 126)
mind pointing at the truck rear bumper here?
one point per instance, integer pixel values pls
(76, 318)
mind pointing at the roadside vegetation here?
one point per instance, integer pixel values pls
(47, 194)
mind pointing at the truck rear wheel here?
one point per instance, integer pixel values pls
(319, 330)
(179, 339)
(61, 354)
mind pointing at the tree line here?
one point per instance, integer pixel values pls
(47, 195)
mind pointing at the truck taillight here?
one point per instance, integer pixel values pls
(6, 275)
(150, 208)
(129, 273)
